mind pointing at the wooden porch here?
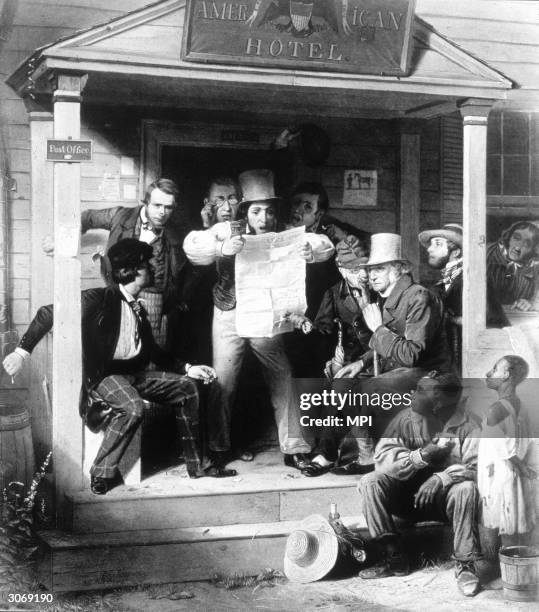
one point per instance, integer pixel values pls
(171, 528)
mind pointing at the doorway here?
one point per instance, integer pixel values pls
(193, 168)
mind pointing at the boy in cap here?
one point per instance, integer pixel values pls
(259, 208)
(117, 346)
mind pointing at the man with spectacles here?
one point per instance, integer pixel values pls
(221, 201)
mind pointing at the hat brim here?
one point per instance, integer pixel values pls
(425, 236)
(274, 199)
(372, 263)
(328, 551)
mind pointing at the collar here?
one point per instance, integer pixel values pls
(147, 224)
(400, 287)
(126, 295)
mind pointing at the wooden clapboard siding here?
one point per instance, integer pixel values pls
(36, 23)
(503, 34)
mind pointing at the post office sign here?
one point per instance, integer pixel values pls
(356, 36)
(69, 150)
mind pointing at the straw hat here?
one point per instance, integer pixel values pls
(384, 249)
(451, 231)
(256, 186)
(311, 550)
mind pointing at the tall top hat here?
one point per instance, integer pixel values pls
(311, 550)
(385, 248)
(256, 186)
(451, 231)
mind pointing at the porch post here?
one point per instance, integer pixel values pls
(41, 279)
(410, 191)
(475, 117)
(66, 345)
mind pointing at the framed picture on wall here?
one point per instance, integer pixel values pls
(360, 189)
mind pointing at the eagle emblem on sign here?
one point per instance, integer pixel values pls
(301, 17)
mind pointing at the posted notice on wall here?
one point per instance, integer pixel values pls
(270, 283)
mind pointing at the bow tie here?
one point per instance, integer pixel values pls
(147, 226)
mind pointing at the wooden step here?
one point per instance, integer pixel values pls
(104, 514)
(264, 491)
(78, 562)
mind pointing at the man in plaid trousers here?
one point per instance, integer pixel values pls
(117, 345)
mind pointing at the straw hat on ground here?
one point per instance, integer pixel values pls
(450, 231)
(385, 248)
(311, 550)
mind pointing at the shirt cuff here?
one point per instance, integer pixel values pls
(417, 460)
(20, 351)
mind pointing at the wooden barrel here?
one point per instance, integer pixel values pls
(520, 572)
(16, 447)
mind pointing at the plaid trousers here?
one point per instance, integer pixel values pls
(125, 394)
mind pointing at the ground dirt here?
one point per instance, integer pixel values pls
(432, 589)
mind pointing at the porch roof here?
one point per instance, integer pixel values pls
(136, 59)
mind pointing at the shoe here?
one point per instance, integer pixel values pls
(101, 486)
(394, 565)
(298, 461)
(352, 469)
(312, 469)
(467, 580)
(217, 471)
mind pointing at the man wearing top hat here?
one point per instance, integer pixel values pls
(408, 340)
(260, 209)
(117, 345)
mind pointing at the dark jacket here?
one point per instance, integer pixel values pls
(412, 334)
(339, 303)
(101, 319)
(123, 222)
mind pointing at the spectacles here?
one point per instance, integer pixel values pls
(219, 201)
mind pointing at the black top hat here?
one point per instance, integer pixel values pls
(315, 144)
(129, 253)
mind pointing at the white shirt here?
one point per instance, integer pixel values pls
(129, 342)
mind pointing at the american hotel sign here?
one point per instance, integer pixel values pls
(358, 36)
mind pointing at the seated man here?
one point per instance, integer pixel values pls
(117, 345)
(408, 340)
(219, 244)
(426, 467)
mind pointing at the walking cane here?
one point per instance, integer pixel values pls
(376, 364)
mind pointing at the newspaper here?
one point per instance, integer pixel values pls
(270, 283)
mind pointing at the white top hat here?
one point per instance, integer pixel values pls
(257, 185)
(385, 248)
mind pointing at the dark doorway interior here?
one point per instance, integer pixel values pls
(193, 168)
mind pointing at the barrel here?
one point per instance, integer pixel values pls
(16, 447)
(520, 572)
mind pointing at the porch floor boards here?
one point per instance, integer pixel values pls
(265, 491)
